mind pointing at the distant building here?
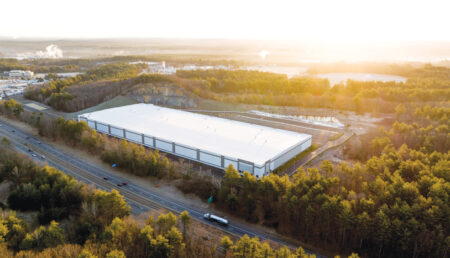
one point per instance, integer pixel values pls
(15, 74)
(161, 68)
(15, 85)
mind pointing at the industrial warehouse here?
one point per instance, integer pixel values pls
(206, 139)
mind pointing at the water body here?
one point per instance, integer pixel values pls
(314, 120)
(336, 78)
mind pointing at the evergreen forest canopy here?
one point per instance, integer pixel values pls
(392, 202)
(77, 221)
(426, 85)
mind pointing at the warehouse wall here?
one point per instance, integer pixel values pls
(294, 151)
(188, 152)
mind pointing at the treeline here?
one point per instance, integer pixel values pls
(77, 93)
(414, 90)
(82, 64)
(242, 81)
(394, 205)
(132, 157)
(8, 64)
(55, 94)
(406, 70)
(252, 247)
(94, 93)
(421, 128)
(138, 160)
(427, 84)
(55, 196)
(11, 108)
(237, 81)
(170, 59)
(96, 223)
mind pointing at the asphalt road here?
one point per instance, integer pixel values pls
(140, 199)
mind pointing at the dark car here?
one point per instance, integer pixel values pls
(124, 183)
(28, 137)
(106, 178)
(119, 185)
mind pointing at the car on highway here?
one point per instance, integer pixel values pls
(42, 157)
(29, 150)
(39, 142)
(105, 178)
(28, 137)
(13, 131)
(34, 155)
(119, 185)
(124, 183)
(217, 219)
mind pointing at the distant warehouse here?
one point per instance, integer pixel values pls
(210, 140)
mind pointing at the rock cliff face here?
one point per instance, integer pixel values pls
(167, 95)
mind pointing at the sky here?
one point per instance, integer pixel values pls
(344, 20)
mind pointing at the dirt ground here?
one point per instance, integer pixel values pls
(336, 157)
(319, 137)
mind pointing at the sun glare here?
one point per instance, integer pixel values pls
(348, 20)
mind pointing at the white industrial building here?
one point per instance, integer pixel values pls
(210, 140)
(13, 74)
(14, 87)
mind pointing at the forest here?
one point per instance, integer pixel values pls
(428, 84)
(83, 64)
(425, 85)
(55, 93)
(406, 70)
(75, 220)
(7, 64)
(393, 202)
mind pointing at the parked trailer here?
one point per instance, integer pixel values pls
(215, 218)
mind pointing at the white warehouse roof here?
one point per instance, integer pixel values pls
(229, 138)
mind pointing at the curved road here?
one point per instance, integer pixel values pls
(140, 199)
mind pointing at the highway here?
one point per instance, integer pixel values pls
(140, 199)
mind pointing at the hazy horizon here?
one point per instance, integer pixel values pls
(288, 31)
(323, 20)
(267, 51)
